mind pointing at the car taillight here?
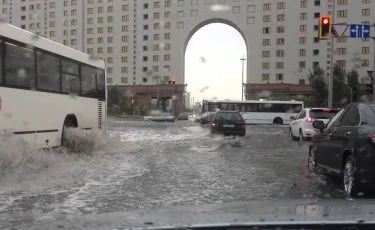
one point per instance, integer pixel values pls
(310, 119)
(243, 127)
(213, 125)
(373, 138)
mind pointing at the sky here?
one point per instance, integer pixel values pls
(212, 61)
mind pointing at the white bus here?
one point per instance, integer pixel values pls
(257, 112)
(46, 86)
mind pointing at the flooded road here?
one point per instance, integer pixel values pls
(144, 164)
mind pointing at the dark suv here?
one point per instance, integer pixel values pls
(228, 123)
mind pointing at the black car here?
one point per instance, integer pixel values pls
(228, 123)
(346, 146)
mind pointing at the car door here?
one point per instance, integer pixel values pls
(298, 123)
(301, 120)
(294, 124)
(323, 145)
(343, 134)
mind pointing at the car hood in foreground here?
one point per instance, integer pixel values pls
(233, 213)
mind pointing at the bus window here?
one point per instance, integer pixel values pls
(70, 67)
(230, 107)
(236, 107)
(212, 107)
(48, 72)
(70, 77)
(88, 81)
(265, 108)
(19, 65)
(297, 108)
(248, 108)
(100, 83)
(70, 84)
(254, 108)
(204, 108)
(278, 108)
(243, 108)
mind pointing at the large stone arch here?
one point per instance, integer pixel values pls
(207, 22)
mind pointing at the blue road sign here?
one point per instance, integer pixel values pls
(359, 31)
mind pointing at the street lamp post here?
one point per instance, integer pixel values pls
(243, 59)
(184, 99)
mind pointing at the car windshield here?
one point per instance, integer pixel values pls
(229, 116)
(321, 114)
(192, 106)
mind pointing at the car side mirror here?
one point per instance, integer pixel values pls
(318, 125)
(292, 117)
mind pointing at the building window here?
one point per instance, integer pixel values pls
(279, 77)
(265, 77)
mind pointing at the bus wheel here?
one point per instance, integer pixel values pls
(277, 121)
(70, 122)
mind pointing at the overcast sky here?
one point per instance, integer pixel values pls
(213, 62)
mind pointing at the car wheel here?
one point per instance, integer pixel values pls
(311, 162)
(291, 135)
(348, 176)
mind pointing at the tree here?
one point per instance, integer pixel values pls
(318, 85)
(280, 98)
(353, 82)
(113, 96)
(340, 88)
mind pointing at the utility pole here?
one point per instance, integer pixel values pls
(157, 78)
(373, 68)
(330, 79)
(243, 70)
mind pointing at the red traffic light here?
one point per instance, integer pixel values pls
(132, 101)
(173, 81)
(325, 29)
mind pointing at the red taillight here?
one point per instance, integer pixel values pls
(213, 125)
(373, 138)
(310, 119)
(243, 127)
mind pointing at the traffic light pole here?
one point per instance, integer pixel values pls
(373, 71)
(330, 79)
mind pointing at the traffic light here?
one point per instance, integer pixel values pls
(354, 94)
(173, 81)
(325, 27)
(132, 101)
(369, 88)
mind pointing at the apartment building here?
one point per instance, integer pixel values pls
(144, 39)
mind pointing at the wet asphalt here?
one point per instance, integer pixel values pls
(174, 163)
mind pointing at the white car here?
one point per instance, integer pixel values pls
(301, 126)
(160, 117)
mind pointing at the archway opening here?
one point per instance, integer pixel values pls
(213, 69)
